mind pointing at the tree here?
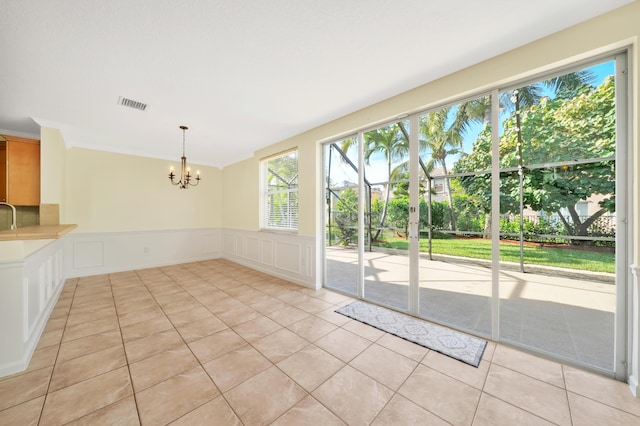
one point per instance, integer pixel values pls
(443, 131)
(555, 131)
(392, 144)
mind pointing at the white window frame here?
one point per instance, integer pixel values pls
(291, 216)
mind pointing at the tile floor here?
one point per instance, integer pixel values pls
(217, 343)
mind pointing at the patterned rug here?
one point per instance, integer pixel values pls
(449, 342)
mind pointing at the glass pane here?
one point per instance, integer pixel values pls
(341, 216)
(386, 172)
(557, 286)
(455, 208)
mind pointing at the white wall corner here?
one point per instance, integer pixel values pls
(634, 332)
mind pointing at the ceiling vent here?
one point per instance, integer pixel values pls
(132, 104)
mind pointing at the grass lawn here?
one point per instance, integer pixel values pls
(481, 249)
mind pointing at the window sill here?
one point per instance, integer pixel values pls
(280, 231)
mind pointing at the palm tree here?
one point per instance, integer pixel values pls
(442, 134)
(393, 145)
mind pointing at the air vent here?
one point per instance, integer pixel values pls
(132, 104)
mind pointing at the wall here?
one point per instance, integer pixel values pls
(52, 166)
(107, 192)
(129, 216)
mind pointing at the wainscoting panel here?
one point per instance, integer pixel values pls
(252, 249)
(29, 289)
(288, 256)
(102, 253)
(88, 254)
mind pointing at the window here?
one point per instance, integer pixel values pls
(280, 191)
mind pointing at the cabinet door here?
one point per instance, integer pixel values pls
(3, 171)
(23, 177)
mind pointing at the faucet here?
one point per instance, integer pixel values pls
(13, 216)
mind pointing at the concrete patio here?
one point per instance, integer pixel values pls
(572, 318)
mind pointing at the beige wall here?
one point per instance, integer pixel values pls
(107, 192)
(603, 34)
(52, 168)
(240, 195)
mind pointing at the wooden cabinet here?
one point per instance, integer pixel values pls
(20, 171)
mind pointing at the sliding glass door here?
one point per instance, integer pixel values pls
(455, 235)
(503, 215)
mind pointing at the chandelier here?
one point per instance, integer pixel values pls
(185, 172)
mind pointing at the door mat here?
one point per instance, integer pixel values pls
(460, 346)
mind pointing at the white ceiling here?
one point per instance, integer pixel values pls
(241, 74)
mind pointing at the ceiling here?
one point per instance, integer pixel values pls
(241, 74)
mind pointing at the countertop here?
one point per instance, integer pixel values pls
(38, 232)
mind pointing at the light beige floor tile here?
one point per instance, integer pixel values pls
(473, 376)
(91, 315)
(333, 317)
(217, 344)
(353, 396)
(292, 297)
(313, 305)
(267, 304)
(121, 413)
(363, 330)
(226, 304)
(539, 398)
(387, 367)
(327, 296)
(531, 365)
(184, 317)
(308, 412)
(256, 328)
(181, 305)
(310, 366)
(145, 328)
(585, 411)
(198, 329)
(56, 323)
(343, 344)
(134, 317)
(87, 366)
(25, 414)
(602, 389)
(89, 328)
(494, 412)
(445, 397)
(173, 398)
(160, 367)
(50, 338)
(288, 315)
(140, 302)
(147, 346)
(45, 357)
(24, 387)
(89, 344)
(265, 397)
(235, 367)
(403, 347)
(279, 345)
(401, 411)
(83, 398)
(239, 315)
(215, 412)
(312, 328)
(489, 350)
